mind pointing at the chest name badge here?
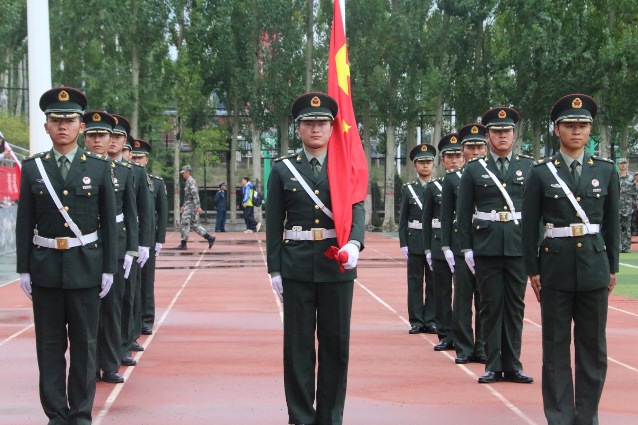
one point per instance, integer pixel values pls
(519, 172)
(86, 187)
(595, 183)
(86, 180)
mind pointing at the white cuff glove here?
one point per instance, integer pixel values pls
(107, 281)
(25, 283)
(405, 251)
(449, 257)
(469, 260)
(142, 255)
(278, 287)
(428, 257)
(128, 262)
(353, 255)
(158, 248)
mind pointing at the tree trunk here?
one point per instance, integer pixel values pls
(367, 148)
(257, 177)
(536, 151)
(135, 78)
(623, 144)
(233, 161)
(388, 219)
(310, 36)
(438, 118)
(284, 135)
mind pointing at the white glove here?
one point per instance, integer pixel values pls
(158, 248)
(128, 262)
(142, 255)
(405, 251)
(278, 287)
(428, 257)
(107, 281)
(25, 283)
(469, 260)
(449, 257)
(353, 255)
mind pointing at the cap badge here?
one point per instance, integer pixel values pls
(474, 130)
(137, 144)
(595, 183)
(453, 139)
(116, 121)
(63, 96)
(97, 117)
(424, 148)
(577, 103)
(502, 114)
(86, 180)
(315, 102)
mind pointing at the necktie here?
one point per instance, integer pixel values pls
(63, 170)
(502, 166)
(316, 167)
(575, 174)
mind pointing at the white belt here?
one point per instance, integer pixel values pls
(575, 229)
(497, 216)
(65, 242)
(315, 234)
(436, 223)
(415, 225)
(119, 218)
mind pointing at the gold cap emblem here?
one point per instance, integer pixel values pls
(116, 121)
(315, 102)
(502, 114)
(97, 117)
(577, 103)
(63, 96)
(453, 139)
(424, 148)
(474, 130)
(137, 144)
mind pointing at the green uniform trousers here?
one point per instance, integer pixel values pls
(467, 341)
(420, 309)
(442, 277)
(60, 315)
(109, 349)
(325, 307)
(147, 289)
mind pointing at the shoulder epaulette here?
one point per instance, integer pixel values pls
(292, 155)
(476, 159)
(156, 177)
(522, 155)
(601, 159)
(540, 161)
(136, 165)
(97, 156)
(124, 164)
(36, 155)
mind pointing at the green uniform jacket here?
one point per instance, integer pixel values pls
(431, 211)
(145, 213)
(127, 230)
(410, 211)
(449, 228)
(573, 263)
(289, 205)
(89, 195)
(478, 192)
(160, 208)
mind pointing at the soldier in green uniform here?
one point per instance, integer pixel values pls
(450, 154)
(131, 308)
(316, 294)
(141, 152)
(628, 201)
(66, 249)
(97, 138)
(421, 310)
(573, 268)
(467, 341)
(489, 222)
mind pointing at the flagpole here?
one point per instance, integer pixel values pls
(342, 6)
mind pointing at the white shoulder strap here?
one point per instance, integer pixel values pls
(506, 195)
(570, 195)
(458, 173)
(45, 177)
(438, 186)
(414, 195)
(309, 191)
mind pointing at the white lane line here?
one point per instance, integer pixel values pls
(623, 311)
(526, 419)
(129, 370)
(8, 282)
(628, 265)
(17, 334)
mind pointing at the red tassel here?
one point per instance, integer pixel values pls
(340, 257)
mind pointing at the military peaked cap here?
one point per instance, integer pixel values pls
(98, 122)
(500, 118)
(449, 143)
(574, 108)
(122, 126)
(422, 152)
(63, 102)
(473, 134)
(141, 147)
(314, 106)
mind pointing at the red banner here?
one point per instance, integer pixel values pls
(9, 183)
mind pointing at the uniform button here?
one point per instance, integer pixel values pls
(478, 227)
(485, 185)
(41, 192)
(578, 199)
(598, 195)
(456, 230)
(316, 192)
(317, 221)
(116, 190)
(66, 192)
(546, 249)
(124, 229)
(286, 241)
(88, 194)
(96, 245)
(316, 207)
(66, 224)
(505, 207)
(556, 196)
(66, 208)
(504, 184)
(579, 245)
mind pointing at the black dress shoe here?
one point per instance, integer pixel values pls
(518, 377)
(136, 346)
(462, 360)
(480, 359)
(128, 361)
(444, 345)
(428, 329)
(490, 377)
(416, 329)
(112, 378)
(147, 331)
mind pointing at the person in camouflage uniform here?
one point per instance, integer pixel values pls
(191, 211)
(628, 199)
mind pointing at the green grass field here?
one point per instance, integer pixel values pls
(627, 279)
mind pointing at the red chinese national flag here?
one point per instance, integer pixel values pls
(347, 166)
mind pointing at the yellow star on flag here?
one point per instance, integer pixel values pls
(343, 69)
(345, 126)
